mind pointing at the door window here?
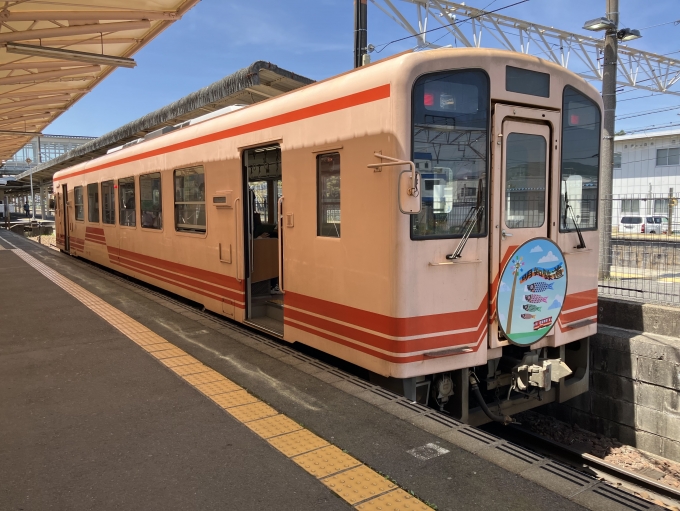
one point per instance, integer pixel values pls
(79, 206)
(525, 180)
(126, 194)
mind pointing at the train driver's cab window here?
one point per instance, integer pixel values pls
(150, 201)
(450, 132)
(93, 202)
(108, 203)
(79, 205)
(126, 196)
(190, 199)
(328, 185)
(580, 161)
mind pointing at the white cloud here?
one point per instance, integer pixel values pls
(559, 298)
(504, 288)
(536, 249)
(502, 317)
(550, 258)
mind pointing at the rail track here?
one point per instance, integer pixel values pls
(587, 463)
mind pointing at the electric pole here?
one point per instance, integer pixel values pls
(607, 152)
(360, 28)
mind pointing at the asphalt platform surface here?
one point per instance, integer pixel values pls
(90, 421)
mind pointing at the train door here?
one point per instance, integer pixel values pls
(521, 196)
(65, 217)
(264, 258)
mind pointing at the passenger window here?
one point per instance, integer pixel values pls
(126, 195)
(93, 202)
(108, 203)
(150, 201)
(328, 186)
(78, 199)
(190, 199)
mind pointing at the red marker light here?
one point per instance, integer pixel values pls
(574, 120)
(115, 186)
(428, 100)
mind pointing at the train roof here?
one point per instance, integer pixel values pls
(323, 90)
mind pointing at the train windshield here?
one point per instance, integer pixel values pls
(450, 130)
(580, 161)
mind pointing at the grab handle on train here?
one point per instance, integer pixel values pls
(236, 201)
(280, 243)
(506, 234)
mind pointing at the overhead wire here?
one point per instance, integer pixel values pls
(646, 112)
(385, 45)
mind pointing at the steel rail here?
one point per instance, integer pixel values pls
(579, 460)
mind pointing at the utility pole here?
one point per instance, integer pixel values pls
(607, 152)
(360, 29)
(671, 206)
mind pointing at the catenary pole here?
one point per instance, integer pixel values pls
(360, 28)
(607, 152)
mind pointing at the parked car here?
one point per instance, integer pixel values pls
(631, 224)
(638, 224)
(656, 224)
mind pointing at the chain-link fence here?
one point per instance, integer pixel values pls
(642, 259)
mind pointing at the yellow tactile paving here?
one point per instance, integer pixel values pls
(149, 339)
(238, 398)
(190, 369)
(274, 426)
(179, 361)
(206, 377)
(174, 352)
(252, 412)
(159, 346)
(358, 484)
(218, 387)
(397, 500)
(309, 451)
(326, 461)
(298, 442)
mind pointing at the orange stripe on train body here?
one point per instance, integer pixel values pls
(333, 105)
(388, 325)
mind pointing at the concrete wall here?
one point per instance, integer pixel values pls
(635, 380)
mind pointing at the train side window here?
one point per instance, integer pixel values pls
(190, 199)
(126, 196)
(108, 203)
(580, 167)
(78, 200)
(450, 143)
(93, 202)
(150, 203)
(328, 200)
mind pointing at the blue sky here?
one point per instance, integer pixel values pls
(315, 39)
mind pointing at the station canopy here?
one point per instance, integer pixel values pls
(54, 52)
(257, 82)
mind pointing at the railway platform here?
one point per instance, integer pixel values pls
(117, 396)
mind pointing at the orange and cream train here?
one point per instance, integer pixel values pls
(375, 216)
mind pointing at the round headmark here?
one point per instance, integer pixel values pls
(531, 291)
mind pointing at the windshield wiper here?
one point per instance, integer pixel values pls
(468, 225)
(567, 206)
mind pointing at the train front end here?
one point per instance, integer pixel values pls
(498, 254)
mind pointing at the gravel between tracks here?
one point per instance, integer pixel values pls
(609, 449)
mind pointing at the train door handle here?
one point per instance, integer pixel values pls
(279, 212)
(505, 234)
